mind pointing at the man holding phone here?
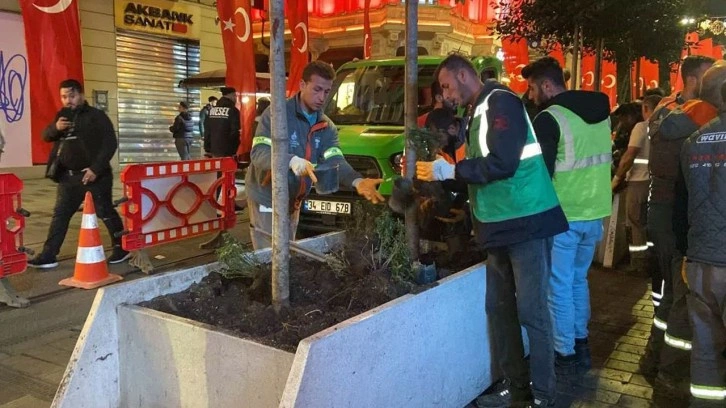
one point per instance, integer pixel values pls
(84, 144)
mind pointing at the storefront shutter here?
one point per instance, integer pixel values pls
(149, 70)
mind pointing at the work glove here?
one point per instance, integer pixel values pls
(437, 170)
(368, 189)
(303, 168)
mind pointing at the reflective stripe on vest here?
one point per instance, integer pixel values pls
(660, 324)
(571, 161)
(530, 150)
(709, 393)
(333, 151)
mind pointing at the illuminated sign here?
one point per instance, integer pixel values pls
(159, 17)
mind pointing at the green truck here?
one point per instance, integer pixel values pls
(367, 106)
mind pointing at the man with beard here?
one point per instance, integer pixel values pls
(574, 130)
(516, 214)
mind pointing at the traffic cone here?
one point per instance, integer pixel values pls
(91, 269)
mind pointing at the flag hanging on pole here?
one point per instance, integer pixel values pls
(297, 20)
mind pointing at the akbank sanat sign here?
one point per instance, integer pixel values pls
(177, 19)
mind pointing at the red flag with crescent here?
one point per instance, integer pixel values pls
(516, 57)
(367, 34)
(53, 42)
(588, 72)
(297, 20)
(609, 81)
(239, 51)
(557, 53)
(649, 74)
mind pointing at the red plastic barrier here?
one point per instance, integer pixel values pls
(172, 201)
(12, 257)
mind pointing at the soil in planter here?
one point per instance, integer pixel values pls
(319, 298)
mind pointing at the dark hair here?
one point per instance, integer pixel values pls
(693, 63)
(73, 84)
(183, 105)
(651, 101)
(440, 118)
(319, 68)
(456, 62)
(436, 89)
(545, 68)
(654, 91)
(212, 99)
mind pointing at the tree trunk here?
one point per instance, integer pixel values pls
(598, 64)
(411, 110)
(623, 63)
(664, 76)
(280, 200)
(576, 45)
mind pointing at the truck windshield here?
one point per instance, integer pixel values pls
(374, 95)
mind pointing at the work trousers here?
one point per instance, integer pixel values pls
(261, 218)
(636, 208)
(707, 312)
(69, 196)
(516, 293)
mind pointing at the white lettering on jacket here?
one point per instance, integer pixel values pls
(223, 112)
(712, 138)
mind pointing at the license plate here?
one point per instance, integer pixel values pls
(327, 207)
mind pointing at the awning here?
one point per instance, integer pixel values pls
(208, 79)
(215, 79)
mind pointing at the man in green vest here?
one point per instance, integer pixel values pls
(516, 214)
(574, 130)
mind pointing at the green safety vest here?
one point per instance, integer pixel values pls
(526, 193)
(582, 168)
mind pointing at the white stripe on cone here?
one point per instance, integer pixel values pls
(89, 221)
(91, 255)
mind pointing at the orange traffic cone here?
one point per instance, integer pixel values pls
(91, 269)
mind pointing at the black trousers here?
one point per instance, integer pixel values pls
(69, 196)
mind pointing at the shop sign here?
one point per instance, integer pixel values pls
(163, 17)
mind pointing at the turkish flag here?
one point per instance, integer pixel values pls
(649, 73)
(516, 57)
(53, 42)
(557, 53)
(297, 19)
(718, 52)
(367, 34)
(588, 72)
(610, 81)
(239, 54)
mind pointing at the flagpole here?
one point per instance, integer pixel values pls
(280, 202)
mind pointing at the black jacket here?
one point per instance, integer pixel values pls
(703, 161)
(222, 129)
(90, 143)
(183, 126)
(508, 126)
(592, 107)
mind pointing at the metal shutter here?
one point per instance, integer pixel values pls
(149, 70)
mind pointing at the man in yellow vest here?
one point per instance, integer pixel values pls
(574, 131)
(516, 214)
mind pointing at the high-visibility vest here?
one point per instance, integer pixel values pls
(528, 192)
(582, 167)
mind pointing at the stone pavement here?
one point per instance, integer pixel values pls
(36, 342)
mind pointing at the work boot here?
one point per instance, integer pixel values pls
(673, 385)
(648, 365)
(502, 394)
(43, 261)
(566, 366)
(582, 351)
(118, 255)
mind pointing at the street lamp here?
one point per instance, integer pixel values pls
(688, 21)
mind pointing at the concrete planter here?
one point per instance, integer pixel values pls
(425, 350)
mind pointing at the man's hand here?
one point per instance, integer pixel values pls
(88, 176)
(437, 170)
(63, 124)
(303, 168)
(457, 216)
(615, 183)
(368, 188)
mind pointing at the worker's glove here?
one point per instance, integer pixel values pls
(437, 170)
(368, 189)
(301, 167)
(457, 216)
